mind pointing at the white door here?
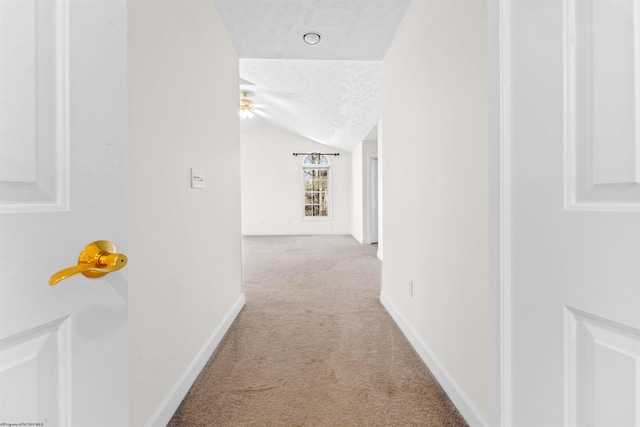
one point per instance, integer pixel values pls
(373, 198)
(575, 211)
(63, 172)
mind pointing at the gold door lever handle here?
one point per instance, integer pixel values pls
(96, 260)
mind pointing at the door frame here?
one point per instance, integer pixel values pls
(499, 92)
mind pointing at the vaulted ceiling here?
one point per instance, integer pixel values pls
(330, 92)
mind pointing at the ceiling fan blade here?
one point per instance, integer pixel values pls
(263, 114)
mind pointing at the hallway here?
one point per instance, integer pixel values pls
(314, 346)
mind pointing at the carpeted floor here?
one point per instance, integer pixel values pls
(314, 347)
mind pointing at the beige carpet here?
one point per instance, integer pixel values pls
(314, 347)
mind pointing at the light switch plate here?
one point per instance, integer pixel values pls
(197, 178)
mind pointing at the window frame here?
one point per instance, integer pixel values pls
(328, 167)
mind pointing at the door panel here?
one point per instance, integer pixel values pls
(603, 372)
(63, 150)
(602, 84)
(36, 360)
(575, 212)
(34, 105)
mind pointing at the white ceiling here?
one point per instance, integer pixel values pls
(329, 93)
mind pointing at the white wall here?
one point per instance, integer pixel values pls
(436, 194)
(360, 190)
(272, 186)
(185, 244)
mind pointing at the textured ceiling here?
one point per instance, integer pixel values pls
(353, 30)
(332, 102)
(329, 93)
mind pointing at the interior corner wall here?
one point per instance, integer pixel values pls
(357, 199)
(185, 244)
(436, 193)
(272, 185)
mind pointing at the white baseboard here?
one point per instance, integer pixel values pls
(163, 413)
(460, 399)
(359, 239)
(379, 255)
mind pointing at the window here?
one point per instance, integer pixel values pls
(316, 186)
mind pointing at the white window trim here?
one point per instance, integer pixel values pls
(329, 192)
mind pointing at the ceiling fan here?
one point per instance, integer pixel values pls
(248, 108)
